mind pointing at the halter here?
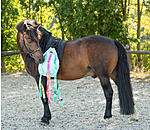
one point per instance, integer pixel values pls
(31, 52)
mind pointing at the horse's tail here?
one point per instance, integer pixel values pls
(123, 82)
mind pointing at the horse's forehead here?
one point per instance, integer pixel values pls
(33, 23)
(29, 22)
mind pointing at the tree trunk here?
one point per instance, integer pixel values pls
(124, 7)
(60, 21)
(138, 33)
(3, 69)
(3, 65)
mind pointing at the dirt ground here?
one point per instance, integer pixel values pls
(83, 105)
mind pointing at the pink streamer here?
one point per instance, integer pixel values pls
(48, 79)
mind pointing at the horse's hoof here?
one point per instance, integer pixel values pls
(43, 123)
(107, 120)
(134, 118)
(45, 120)
(135, 115)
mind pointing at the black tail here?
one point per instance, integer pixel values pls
(123, 82)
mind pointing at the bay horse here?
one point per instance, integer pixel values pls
(96, 56)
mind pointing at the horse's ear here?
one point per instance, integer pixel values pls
(25, 27)
(19, 25)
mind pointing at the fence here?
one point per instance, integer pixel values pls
(128, 55)
(2, 58)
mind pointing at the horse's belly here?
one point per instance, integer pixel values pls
(75, 73)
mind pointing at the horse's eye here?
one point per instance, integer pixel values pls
(29, 40)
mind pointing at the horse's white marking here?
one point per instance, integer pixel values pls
(135, 115)
(107, 120)
(26, 25)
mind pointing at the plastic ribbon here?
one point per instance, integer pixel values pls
(44, 98)
(40, 84)
(41, 88)
(55, 88)
(48, 89)
(59, 94)
(48, 79)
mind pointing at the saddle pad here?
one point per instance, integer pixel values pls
(54, 63)
(58, 44)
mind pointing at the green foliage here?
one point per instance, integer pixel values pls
(86, 17)
(14, 63)
(144, 33)
(146, 58)
(9, 18)
(148, 5)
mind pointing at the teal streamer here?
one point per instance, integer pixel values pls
(40, 84)
(55, 88)
(59, 94)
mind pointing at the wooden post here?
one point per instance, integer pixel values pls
(129, 57)
(3, 65)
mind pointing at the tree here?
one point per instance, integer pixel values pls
(139, 10)
(139, 33)
(9, 17)
(85, 17)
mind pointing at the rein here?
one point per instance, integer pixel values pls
(28, 51)
(12, 53)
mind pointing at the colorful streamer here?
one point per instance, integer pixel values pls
(59, 94)
(48, 89)
(48, 79)
(40, 84)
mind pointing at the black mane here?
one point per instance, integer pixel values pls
(36, 32)
(44, 38)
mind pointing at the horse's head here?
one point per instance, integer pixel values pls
(28, 38)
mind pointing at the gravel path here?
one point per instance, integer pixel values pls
(83, 108)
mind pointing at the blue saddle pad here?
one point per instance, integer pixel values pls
(54, 63)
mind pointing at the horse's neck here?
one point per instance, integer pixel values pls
(44, 40)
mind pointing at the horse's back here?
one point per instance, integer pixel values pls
(73, 65)
(86, 55)
(99, 41)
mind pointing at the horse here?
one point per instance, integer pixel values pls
(95, 55)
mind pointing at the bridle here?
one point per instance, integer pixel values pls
(30, 52)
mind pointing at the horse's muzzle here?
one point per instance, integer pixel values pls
(39, 60)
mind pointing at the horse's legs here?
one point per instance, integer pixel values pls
(108, 92)
(135, 115)
(47, 114)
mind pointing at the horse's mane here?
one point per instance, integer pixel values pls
(32, 25)
(30, 22)
(41, 33)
